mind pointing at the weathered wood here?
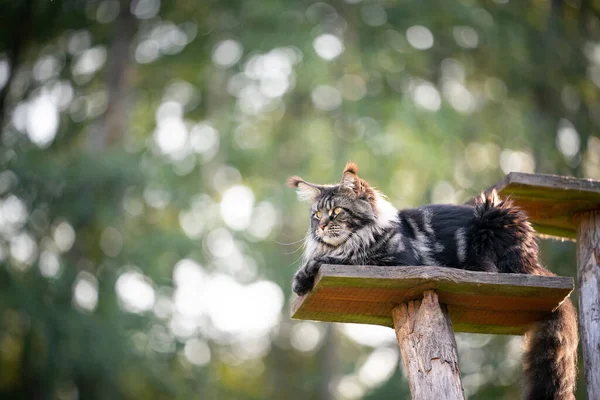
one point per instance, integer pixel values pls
(428, 349)
(479, 302)
(551, 201)
(588, 278)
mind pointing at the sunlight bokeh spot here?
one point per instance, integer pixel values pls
(49, 264)
(349, 388)
(567, 138)
(220, 243)
(306, 336)
(145, 9)
(204, 138)
(14, 212)
(516, 161)
(419, 37)
(264, 219)
(252, 101)
(326, 97)
(426, 96)
(227, 53)
(243, 311)
(190, 301)
(369, 335)
(90, 61)
(236, 207)
(107, 11)
(164, 307)
(192, 223)
(79, 41)
(184, 326)
(157, 197)
(171, 39)
(85, 291)
(458, 96)
(197, 352)
(182, 92)
(64, 236)
(161, 339)
(147, 51)
(379, 366)
(453, 69)
(135, 291)
(328, 46)
(171, 136)
(45, 68)
(23, 249)
(465, 36)
(42, 121)
(61, 93)
(188, 272)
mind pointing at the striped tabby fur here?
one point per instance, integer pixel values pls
(352, 223)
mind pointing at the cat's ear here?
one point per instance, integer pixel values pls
(306, 191)
(350, 180)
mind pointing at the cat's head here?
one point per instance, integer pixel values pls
(337, 211)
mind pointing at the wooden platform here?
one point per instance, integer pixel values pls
(551, 201)
(478, 302)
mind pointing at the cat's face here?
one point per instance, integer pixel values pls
(337, 211)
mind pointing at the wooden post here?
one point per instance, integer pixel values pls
(428, 348)
(588, 279)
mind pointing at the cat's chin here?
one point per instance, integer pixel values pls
(336, 240)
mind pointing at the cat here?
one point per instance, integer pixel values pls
(352, 223)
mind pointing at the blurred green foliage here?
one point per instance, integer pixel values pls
(147, 240)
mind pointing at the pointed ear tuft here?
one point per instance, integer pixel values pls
(351, 183)
(351, 167)
(306, 191)
(293, 181)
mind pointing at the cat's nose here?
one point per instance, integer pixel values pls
(323, 224)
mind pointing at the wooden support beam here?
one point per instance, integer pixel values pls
(479, 302)
(428, 348)
(588, 280)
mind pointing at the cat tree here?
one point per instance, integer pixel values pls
(426, 305)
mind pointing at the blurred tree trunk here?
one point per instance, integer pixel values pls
(119, 71)
(328, 363)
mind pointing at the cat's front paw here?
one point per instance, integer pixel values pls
(303, 282)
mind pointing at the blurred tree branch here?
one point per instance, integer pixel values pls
(21, 32)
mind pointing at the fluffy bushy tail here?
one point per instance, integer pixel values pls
(503, 240)
(550, 360)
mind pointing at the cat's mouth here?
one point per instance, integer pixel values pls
(333, 236)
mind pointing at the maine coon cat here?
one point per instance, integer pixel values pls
(352, 223)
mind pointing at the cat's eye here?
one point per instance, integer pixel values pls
(337, 210)
(318, 214)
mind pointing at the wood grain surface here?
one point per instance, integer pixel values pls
(478, 302)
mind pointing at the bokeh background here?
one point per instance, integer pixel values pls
(147, 239)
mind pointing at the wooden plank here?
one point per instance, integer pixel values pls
(550, 200)
(588, 279)
(477, 301)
